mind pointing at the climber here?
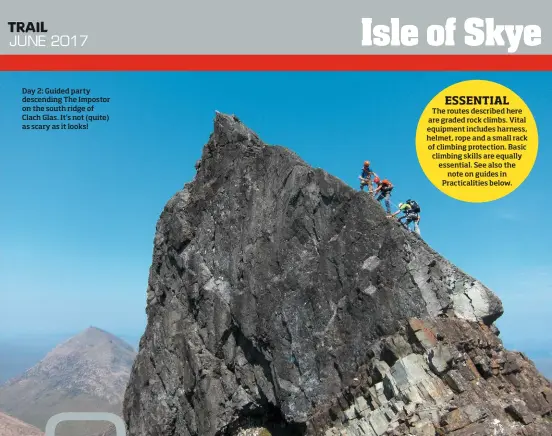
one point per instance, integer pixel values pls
(411, 211)
(384, 188)
(366, 177)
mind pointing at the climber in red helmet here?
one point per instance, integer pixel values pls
(384, 188)
(366, 177)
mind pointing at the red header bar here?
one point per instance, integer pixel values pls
(54, 62)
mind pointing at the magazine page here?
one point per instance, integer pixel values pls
(275, 219)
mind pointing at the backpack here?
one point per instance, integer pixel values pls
(415, 206)
(387, 183)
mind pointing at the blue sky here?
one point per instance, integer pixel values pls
(79, 208)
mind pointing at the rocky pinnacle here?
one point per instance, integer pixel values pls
(281, 297)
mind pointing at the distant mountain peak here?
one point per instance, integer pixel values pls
(94, 336)
(91, 362)
(95, 329)
(88, 371)
(96, 333)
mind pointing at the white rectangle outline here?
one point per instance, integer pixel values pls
(85, 416)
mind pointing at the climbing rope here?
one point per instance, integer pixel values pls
(374, 196)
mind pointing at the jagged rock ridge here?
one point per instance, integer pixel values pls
(277, 293)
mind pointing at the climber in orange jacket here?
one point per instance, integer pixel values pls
(384, 188)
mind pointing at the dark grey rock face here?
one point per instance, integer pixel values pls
(272, 287)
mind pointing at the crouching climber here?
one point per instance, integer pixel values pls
(366, 177)
(383, 192)
(411, 211)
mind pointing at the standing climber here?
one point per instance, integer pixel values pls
(411, 211)
(366, 177)
(384, 188)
